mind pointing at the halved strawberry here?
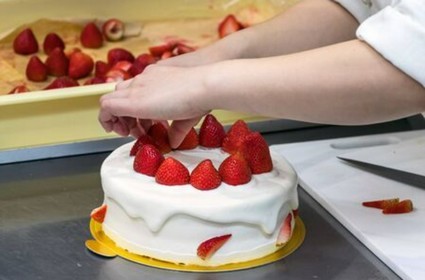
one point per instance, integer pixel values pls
(159, 134)
(171, 173)
(25, 42)
(117, 75)
(235, 137)
(285, 231)
(51, 42)
(57, 63)
(182, 49)
(257, 153)
(123, 65)
(211, 133)
(98, 214)
(147, 160)
(113, 29)
(101, 68)
(229, 25)
(36, 70)
(404, 206)
(91, 37)
(140, 63)
(19, 89)
(204, 176)
(234, 170)
(62, 82)
(80, 65)
(95, 81)
(140, 142)
(166, 55)
(119, 54)
(207, 248)
(381, 204)
(159, 50)
(191, 141)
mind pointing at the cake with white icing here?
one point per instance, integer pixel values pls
(229, 222)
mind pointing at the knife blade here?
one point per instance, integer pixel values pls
(388, 172)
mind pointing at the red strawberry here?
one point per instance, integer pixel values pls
(159, 50)
(204, 176)
(98, 214)
(182, 49)
(25, 42)
(234, 170)
(123, 65)
(140, 63)
(147, 160)
(404, 206)
(113, 29)
(101, 68)
(229, 25)
(159, 134)
(191, 141)
(36, 70)
(211, 133)
(235, 137)
(62, 82)
(172, 172)
(207, 248)
(57, 63)
(91, 37)
(381, 204)
(80, 65)
(70, 52)
(19, 89)
(119, 54)
(141, 141)
(257, 153)
(51, 42)
(117, 75)
(285, 231)
(95, 81)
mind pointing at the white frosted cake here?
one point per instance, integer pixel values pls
(175, 223)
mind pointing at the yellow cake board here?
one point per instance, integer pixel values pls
(102, 245)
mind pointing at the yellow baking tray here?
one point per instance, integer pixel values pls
(70, 115)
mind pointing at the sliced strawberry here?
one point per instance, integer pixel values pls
(228, 25)
(235, 137)
(257, 153)
(57, 63)
(141, 141)
(159, 134)
(19, 89)
(234, 170)
(204, 176)
(91, 37)
(101, 68)
(80, 65)
(95, 81)
(381, 204)
(191, 141)
(36, 70)
(62, 82)
(117, 75)
(182, 49)
(98, 214)
(140, 63)
(404, 206)
(207, 248)
(147, 160)
(123, 65)
(25, 42)
(166, 55)
(159, 50)
(113, 30)
(211, 133)
(172, 172)
(119, 54)
(285, 231)
(51, 42)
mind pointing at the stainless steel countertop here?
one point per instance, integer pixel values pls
(44, 217)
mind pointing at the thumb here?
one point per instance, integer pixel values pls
(179, 129)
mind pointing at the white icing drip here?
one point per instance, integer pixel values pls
(226, 204)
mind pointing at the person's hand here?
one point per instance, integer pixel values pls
(159, 93)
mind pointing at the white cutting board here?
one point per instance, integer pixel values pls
(398, 240)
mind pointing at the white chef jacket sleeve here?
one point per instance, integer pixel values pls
(397, 32)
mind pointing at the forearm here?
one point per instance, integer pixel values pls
(347, 83)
